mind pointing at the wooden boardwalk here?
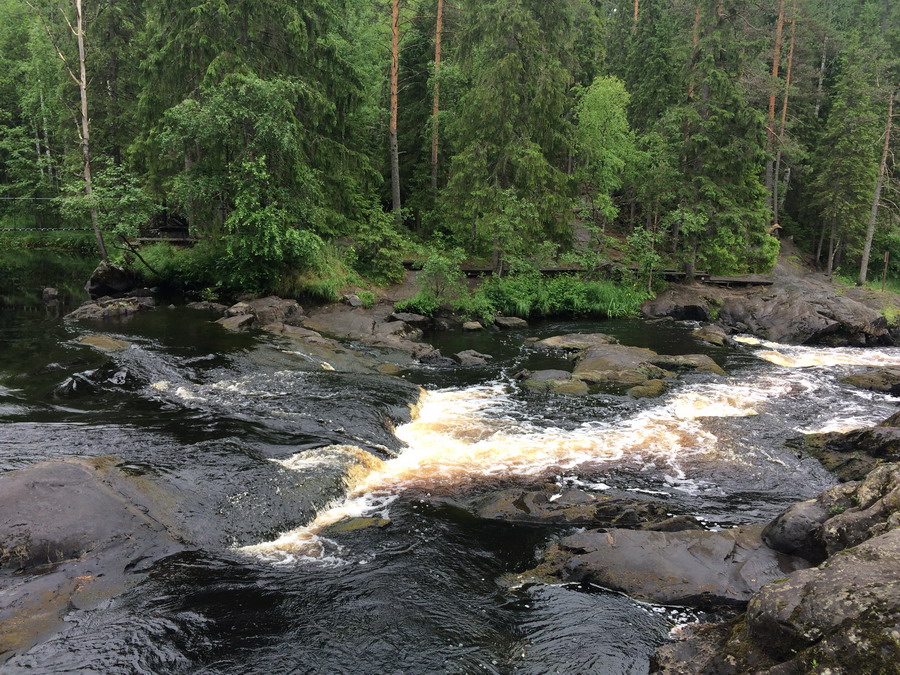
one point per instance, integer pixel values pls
(676, 276)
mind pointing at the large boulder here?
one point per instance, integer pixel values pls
(694, 567)
(617, 365)
(840, 617)
(377, 327)
(108, 279)
(844, 615)
(271, 309)
(575, 342)
(798, 308)
(839, 518)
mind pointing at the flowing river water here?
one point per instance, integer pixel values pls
(265, 451)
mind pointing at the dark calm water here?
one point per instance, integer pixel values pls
(205, 412)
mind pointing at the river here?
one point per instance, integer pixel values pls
(266, 450)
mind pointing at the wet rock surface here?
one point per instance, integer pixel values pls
(700, 568)
(840, 617)
(71, 534)
(852, 455)
(617, 364)
(885, 380)
(553, 505)
(554, 381)
(111, 308)
(377, 327)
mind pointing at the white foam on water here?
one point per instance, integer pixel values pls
(799, 356)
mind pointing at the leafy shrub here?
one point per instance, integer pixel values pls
(421, 303)
(367, 298)
(533, 295)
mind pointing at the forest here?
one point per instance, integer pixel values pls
(307, 144)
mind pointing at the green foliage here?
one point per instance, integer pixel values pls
(324, 281)
(367, 298)
(123, 205)
(378, 247)
(441, 283)
(441, 277)
(198, 267)
(421, 303)
(641, 250)
(264, 241)
(604, 143)
(532, 295)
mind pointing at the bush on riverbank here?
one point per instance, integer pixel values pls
(531, 295)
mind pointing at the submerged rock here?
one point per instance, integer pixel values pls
(472, 326)
(554, 505)
(104, 343)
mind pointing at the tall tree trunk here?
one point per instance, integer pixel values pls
(770, 118)
(695, 41)
(47, 152)
(820, 88)
(86, 129)
(820, 246)
(873, 216)
(395, 72)
(637, 6)
(776, 203)
(436, 107)
(832, 248)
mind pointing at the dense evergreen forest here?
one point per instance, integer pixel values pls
(305, 142)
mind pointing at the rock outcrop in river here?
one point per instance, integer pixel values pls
(798, 308)
(602, 363)
(840, 617)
